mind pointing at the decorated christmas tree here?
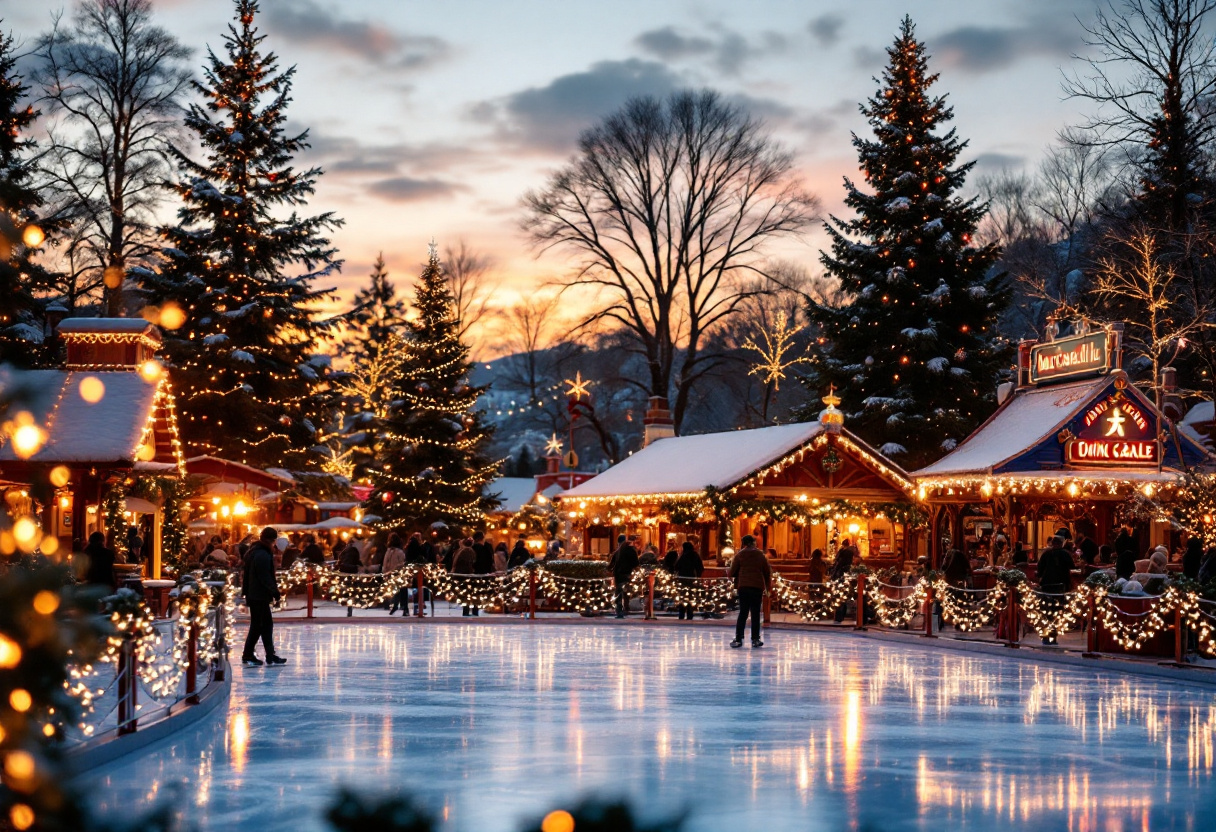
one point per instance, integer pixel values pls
(432, 465)
(20, 231)
(913, 352)
(243, 264)
(375, 350)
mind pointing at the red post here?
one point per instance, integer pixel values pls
(128, 686)
(929, 612)
(1012, 619)
(1091, 627)
(531, 593)
(649, 616)
(308, 591)
(768, 609)
(861, 602)
(1179, 636)
(192, 665)
(421, 581)
(217, 667)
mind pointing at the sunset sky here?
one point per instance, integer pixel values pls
(432, 119)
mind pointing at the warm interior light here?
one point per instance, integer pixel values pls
(92, 389)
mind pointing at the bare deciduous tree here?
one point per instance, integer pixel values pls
(1153, 75)
(469, 279)
(668, 208)
(112, 81)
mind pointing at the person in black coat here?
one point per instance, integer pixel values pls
(312, 552)
(260, 589)
(623, 561)
(690, 567)
(414, 551)
(1055, 575)
(101, 562)
(519, 555)
(483, 555)
(1192, 558)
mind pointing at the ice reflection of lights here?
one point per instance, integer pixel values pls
(238, 739)
(1023, 798)
(852, 739)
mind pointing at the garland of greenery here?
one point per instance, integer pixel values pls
(115, 508)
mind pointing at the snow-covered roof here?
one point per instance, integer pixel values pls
(1202, 413)
(109, 430)
(514, 492)
(118, 326)
(689, 464)
(1029, 417)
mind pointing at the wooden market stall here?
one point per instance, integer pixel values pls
(1067, 448)
(107, 416)
(795, 487)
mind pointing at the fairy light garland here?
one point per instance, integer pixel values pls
(818, 602)
(895, 613)
(965, 614)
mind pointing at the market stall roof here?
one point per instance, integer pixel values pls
(514, 492)
(81, 428)
(1027, 434)
(682, 466)
(1028, 417)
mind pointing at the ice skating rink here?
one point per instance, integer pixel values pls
(490, 724)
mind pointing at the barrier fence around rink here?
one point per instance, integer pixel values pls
(1011, 608)
(149, 666)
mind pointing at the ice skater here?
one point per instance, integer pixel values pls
(260, 588)
(753, 579)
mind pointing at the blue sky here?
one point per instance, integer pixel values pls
(433, 118)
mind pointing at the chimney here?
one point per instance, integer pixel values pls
(657, 421)
(553, 464)
(1171, 402)
(1024, 347)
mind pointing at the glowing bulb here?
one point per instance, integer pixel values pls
(172, 316)
(92, 389)
(151, 370)
(21, 701)
(10, 653)
(60, 476)
(27, 440)
(33, 236)
(112, 277)
(46, 602)
(26, 533)
(22, 816)
(559, 821)
(65, 501)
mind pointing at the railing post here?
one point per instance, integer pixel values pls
(649, 597)
(192, 664)
(861, 602)
(128, 686)
(308, 591)
(531, 593)
(1012, 619)
(221, 646)
(420, 580)
(1179, 636)
(767, 606)
(1091, 626)
(929, 611)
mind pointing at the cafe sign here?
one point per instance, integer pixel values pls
(1070, 357)
(1114, 431)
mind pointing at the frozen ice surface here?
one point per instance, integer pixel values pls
(816, 731)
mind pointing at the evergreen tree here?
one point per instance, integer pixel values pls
(242, 264)
(913, 352)
(433, 466)
(20, 231)
(376, 352)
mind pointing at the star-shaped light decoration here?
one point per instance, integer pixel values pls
(778, 352)
(578, 386)
(554, 446)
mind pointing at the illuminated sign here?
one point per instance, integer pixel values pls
(1114, 431)
(1070, 357)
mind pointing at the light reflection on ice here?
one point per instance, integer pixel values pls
(492, 723)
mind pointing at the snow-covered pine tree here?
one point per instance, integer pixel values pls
(20, 231)
(432, 464)
(243, 264)
(375, 350)
(913, 352)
